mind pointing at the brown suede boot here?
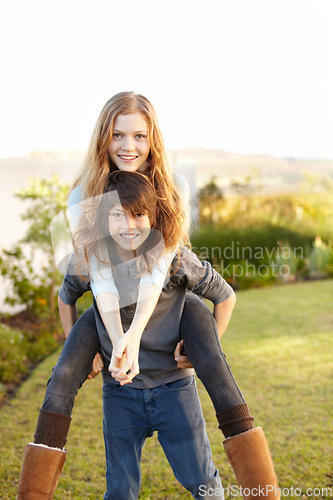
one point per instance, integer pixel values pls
(252, 462)
(40, 472)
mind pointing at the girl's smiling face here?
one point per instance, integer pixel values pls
(130, 146)
(128, 230)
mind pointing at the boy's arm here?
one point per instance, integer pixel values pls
(72, 288)
(222, 313)
(201, 278)
(68, 316)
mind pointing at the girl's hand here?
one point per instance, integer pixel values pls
(116, 365)
(181, 360)
(124, 364)
(97, 366)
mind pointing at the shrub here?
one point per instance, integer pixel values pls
(252, 243)
(13, 357)
(30, 266)
(263, 255)
(19, 352)
(320, 259)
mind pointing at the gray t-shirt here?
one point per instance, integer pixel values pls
(159, 339)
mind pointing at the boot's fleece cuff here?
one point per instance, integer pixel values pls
(52, 429)
(235, 420)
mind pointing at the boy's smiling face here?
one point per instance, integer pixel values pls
(128, 230)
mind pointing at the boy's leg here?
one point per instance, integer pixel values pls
(125, 428)
(182, 433)
(202, 346)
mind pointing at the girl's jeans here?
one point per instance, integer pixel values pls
(202, 346)
(174, 411)
(73, 366)
(201, 343)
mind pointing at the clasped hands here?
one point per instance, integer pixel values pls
(124, 365)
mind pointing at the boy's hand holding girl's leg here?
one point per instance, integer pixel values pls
(180, 357)
(97, 366)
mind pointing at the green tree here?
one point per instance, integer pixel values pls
(30, 266)
(210, 202)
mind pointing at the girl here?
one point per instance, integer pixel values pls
(127, 137)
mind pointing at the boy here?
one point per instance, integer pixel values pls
(161, 396)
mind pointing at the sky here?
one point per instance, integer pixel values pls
(247, 76)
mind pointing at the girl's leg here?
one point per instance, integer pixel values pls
(73, 366)
(42, 465)
(202, 347)
(68, 375)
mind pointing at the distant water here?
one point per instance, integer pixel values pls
(13, 176)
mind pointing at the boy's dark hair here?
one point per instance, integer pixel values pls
(135, 193)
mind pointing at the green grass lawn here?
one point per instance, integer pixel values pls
(280, 345)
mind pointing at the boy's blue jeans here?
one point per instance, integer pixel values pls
(174, 411)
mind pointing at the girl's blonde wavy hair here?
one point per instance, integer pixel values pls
(97, 166)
